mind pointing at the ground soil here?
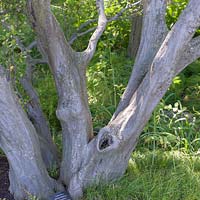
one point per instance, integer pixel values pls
(4, 181)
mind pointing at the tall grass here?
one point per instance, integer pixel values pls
(172, 127)
(154, 175)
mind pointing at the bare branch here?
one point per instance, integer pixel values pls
(102, 21)
(120, 13)
(163, 69)
(35, 113)
(153, 34)
(82, 26)
(36, 61)
(191, 53)
(78, 33)
(31, 45)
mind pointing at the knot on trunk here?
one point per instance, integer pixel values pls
(107, 140)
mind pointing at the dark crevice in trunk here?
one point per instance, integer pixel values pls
(105, 142)
(4, 178)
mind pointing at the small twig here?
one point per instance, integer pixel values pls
(31, 45)
(120, 13)
(75, 36)
(102, 21)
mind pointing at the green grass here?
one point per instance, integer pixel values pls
(154, 175)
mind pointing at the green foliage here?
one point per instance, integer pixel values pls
(45, 87)
(174, 9)
(186, 87)
(54, 171)
(172, 127)
(107, 78)
(152, 176)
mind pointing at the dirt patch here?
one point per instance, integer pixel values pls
(4, 180)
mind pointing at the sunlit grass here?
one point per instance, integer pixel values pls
(154, 175)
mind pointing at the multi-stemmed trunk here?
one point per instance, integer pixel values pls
(19, 141)
(35, 114)
(87, 159)
(33, 107)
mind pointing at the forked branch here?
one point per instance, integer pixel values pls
(163, 69)
(102, 21)
(154, 31)
(80, 33)
(191, 53)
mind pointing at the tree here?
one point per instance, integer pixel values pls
(135, 34)
(88, 159)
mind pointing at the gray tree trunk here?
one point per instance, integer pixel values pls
(86, 159)
(20, 143)
(135, 36)
(36, 115)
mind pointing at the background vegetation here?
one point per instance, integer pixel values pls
(166, 163)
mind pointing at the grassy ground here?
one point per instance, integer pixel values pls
(154, 175)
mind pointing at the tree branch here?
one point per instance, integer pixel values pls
(32, 45)
(154, 31)
(162, 71)
(120, 13)
(33, 108)
(191, 53)
(75, 36)
(36, 115)
(102, 21)
(78, 33)
(51, 39)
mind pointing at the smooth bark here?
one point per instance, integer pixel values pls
(154, 31)
(33, 107)
(36, 115)
(135, 36)
(72, 111)
(19, 141)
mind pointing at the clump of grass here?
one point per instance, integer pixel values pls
(172, 127)
(154, 175)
